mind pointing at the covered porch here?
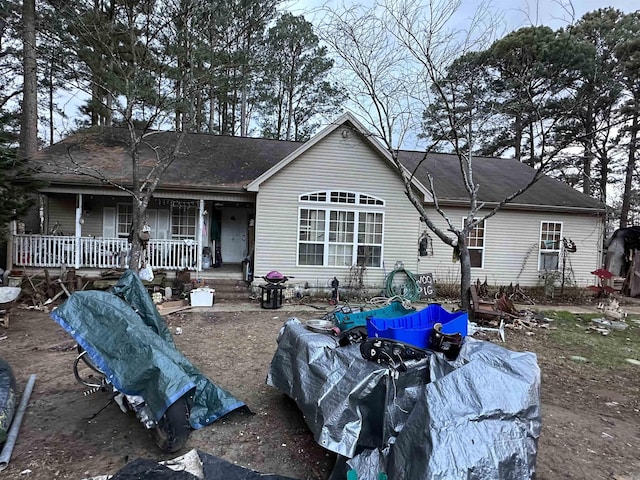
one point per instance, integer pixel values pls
(89, 232)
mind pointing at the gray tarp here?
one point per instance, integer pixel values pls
(133, 346)
(477, 418)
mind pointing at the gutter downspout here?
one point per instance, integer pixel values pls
(13, 229)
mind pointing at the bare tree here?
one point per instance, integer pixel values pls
(395, 57)
(137, 91)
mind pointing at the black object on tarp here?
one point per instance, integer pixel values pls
(143, 468)
(213, 468)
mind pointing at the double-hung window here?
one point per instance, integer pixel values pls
(340, 229)
(183, 223)
(125, 219)
(550, 242)
(475, 245)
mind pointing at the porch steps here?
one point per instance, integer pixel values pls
(229, 289)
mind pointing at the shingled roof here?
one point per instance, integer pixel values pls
(217, 163)
(205, 162)
(497, 178)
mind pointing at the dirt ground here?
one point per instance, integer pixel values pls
(591, 417)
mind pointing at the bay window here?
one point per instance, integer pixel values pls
(340, 229)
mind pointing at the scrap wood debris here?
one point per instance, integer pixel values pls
(41, 289)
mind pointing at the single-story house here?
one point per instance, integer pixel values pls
(311, 211)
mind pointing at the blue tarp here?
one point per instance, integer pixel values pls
(126, 337)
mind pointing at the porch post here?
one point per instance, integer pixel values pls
(78, 229)
(13, 229)
(199, 235)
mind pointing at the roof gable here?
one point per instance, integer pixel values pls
(345, 119)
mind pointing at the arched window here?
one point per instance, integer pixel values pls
(340, 229)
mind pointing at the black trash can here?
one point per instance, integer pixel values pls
(271, 296)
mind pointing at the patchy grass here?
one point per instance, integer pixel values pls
(603, 351)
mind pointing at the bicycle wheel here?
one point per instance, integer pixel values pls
(87, 379)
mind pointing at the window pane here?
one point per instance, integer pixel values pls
(343, 197)
(550, 233)
(370, 228)
(125, 219)
(476, 257)
(340, 255)
(549, 261)
(341, 227)
(311, 225)
(370, 239)
(367, 200)
(311, 254)
(183, 223)
(369, 256)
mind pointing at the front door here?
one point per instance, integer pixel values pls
(233, 234)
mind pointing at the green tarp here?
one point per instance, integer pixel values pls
(126, 337)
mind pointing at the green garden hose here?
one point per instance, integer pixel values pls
(408, 290)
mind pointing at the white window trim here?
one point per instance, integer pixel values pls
(557, 250)
(484, 243)
(328, 206)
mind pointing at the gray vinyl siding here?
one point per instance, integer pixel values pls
(61, 209)
(335, 163)
(511, 248)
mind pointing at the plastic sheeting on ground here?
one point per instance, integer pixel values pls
(476, 418)
(131, 344)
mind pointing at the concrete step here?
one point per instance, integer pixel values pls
(235, 296)
(227, 289)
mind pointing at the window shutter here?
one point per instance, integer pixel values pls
(109, 222)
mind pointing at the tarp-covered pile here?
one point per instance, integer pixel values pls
(194, 465)
(476, 418)
(128, 340)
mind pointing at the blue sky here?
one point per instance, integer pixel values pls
(515, 13)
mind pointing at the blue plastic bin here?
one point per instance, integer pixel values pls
(345, 321)
(415, 328)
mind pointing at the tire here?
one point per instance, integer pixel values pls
(173, 429)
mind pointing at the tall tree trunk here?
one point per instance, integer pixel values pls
(465, 273)
(212, 110)
(50, 100)
(532, 146)
(29, 120)
(631, 165)
(587, 160)
(517, 142)
(604, 177)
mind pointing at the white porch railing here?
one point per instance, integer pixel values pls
(87, 252)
